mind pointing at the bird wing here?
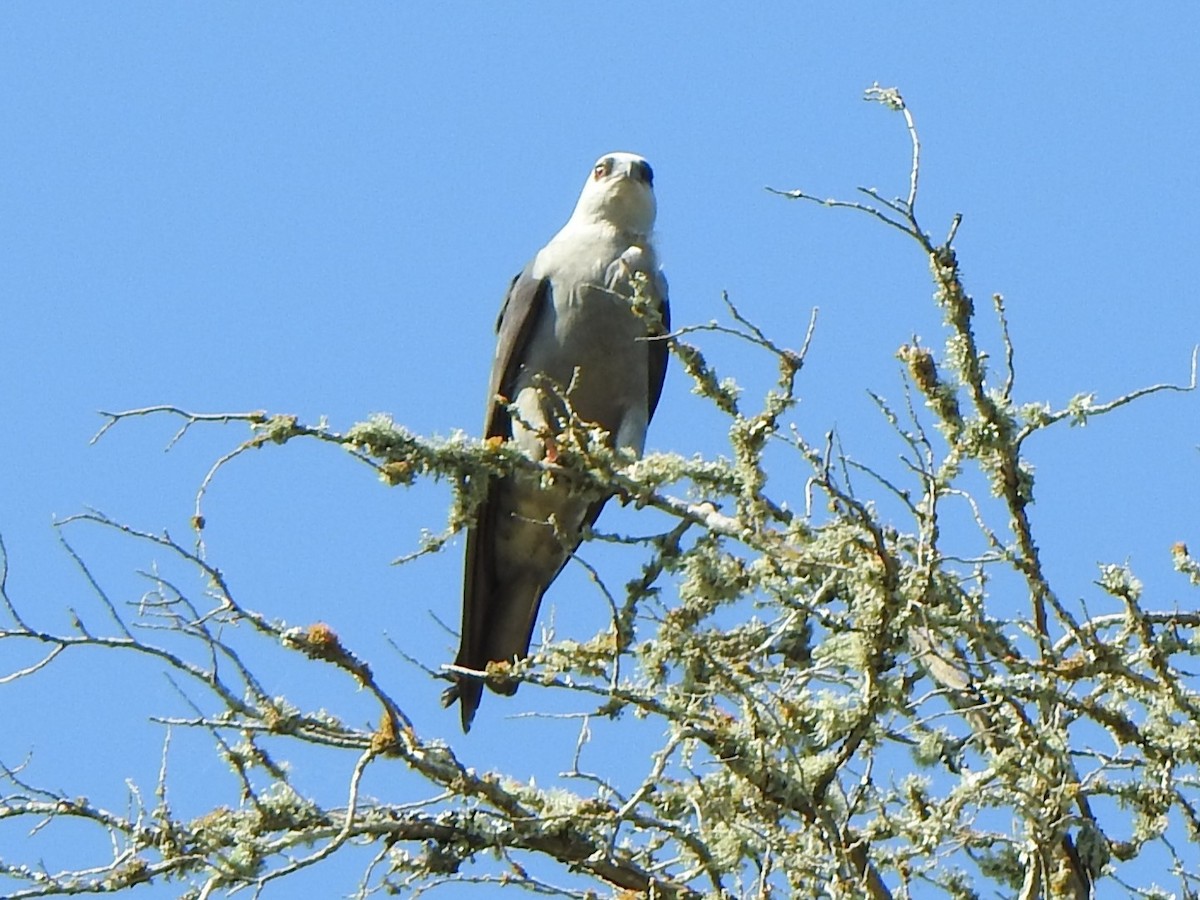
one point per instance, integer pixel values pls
(524, 304)
(658, 348)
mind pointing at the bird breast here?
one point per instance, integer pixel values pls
(590, 339)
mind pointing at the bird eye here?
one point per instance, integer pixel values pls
(602, 168)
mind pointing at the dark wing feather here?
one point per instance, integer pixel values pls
(658, 348)
(523, 305)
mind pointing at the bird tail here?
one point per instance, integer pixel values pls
(467, 691)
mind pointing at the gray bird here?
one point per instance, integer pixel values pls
(567, 321)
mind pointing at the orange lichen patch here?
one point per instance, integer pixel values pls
(494, 442)
(321, 635)
(384, 738)
(1072, 667)
(397, 472)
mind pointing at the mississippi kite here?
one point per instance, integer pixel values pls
(567, 321)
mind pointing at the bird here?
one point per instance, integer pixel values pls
(568, 329)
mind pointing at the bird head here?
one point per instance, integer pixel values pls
(619, 191)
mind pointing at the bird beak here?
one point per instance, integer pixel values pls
(640, 170)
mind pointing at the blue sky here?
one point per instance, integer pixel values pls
(315, 208)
